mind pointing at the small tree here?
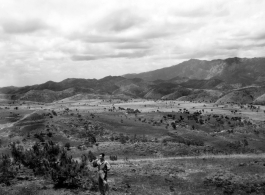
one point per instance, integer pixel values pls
(67, 145)
(173, 125)
(49, 134)
(122, 139)
(7, 171)
(91, 156)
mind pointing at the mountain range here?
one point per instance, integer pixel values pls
(244, 71)
(239, 80)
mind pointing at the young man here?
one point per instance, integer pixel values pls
(103, 168)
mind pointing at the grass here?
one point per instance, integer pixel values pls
(145, 172)
(161, 176)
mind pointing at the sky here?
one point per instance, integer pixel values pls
(42, 40)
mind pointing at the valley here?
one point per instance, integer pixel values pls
(154, 146)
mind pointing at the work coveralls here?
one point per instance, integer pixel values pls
(103, 168)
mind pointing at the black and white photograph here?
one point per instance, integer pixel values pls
(130, 97)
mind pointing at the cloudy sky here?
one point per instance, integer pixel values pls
(43, 40)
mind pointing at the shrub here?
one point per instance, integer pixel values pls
(113, 157)
(7, 170)
(51, 160)
(49, 134)
(54, 113)
(67, 145)
(91, 156)
(122, 139)
(39, 137)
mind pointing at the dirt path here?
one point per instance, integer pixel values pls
(231, 156)
(7, 125)
(235, 156)
(2, 126)
(25, 116)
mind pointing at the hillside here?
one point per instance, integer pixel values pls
(245, 71)
(260, 100)
(47, 95)
(202, 95)
(111, 86)
(244, 96)
(237, 80)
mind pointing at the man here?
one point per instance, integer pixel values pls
(103, 168)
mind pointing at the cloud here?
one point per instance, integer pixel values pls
(153, 30)
(132, 45)
(43, 40)
(193, 13)
(259, 35)
(119, 20)
(129, 55)
(85, 57)
(125, 26)
(101, 38)
(13, 26)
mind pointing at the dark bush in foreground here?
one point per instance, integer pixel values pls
(7, 171)
(51, 160)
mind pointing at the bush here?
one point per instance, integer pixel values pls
(39, 137)
(40, 158)
(51, 160)
(91, 156)
(54, 113)
(122, 139)
(67, 145)
(7, 170)
(113, 157)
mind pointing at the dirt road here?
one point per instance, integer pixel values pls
(231, 156)
(235, 156)
(5, 133)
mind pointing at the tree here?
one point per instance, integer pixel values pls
(122, 139)
(7, 171)
(245, 142)
(67, 145)
(91, 156)
(173, 125)
(49, 134)
(51, 160)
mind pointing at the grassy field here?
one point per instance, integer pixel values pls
(169, 147)
(205, 175)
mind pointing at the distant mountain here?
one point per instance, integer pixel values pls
(237, 80)
(245, 71)
(202, 84)
(79, 85)
(111, 86)
(46, 95)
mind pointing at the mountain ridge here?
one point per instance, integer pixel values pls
(231, 70)
(220, 81)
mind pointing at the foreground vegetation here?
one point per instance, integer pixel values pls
(47, 148)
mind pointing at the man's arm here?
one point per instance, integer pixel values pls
(107, 166)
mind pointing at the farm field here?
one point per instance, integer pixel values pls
(160, 147)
